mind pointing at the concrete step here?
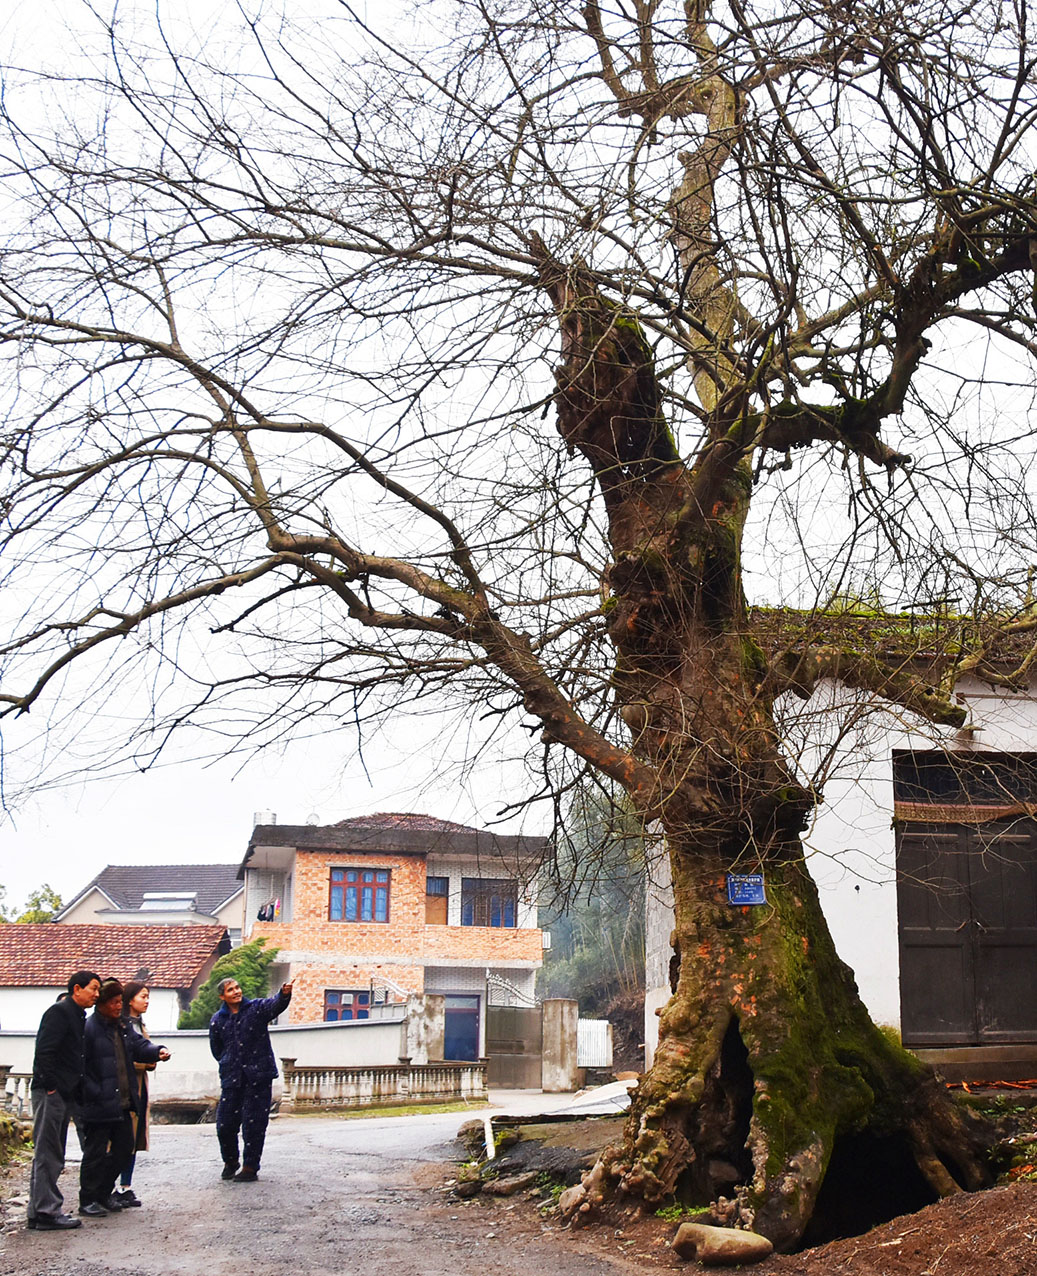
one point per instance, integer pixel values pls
(983, 1063)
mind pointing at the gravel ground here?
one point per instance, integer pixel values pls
(367, 1197)
(334, 1196)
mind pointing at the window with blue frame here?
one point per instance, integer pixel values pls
(340, 1003)
(488, 901)
(359, 895)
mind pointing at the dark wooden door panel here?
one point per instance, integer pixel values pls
(937, 994)
(1003, 866)
(937, 978)
(967, 903)
(1005, 1002)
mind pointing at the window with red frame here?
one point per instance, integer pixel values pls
(340, 1003)
(359, 895)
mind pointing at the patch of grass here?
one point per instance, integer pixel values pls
(1019, 1160)
(891, 1032)
(396, 1110)
(678, 1213)
(549, 1187)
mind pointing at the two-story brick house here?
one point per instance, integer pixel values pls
(389, 905)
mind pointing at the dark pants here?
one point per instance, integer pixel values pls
(244, 1107)
(107, 1148)
(50, 1114)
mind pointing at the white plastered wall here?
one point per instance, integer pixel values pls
(22, 1008)
(86, 911)
(850, 845)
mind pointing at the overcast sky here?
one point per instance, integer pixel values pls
(189, 812)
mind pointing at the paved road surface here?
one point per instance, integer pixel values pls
(349, 1198)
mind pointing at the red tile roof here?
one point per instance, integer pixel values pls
(44, 955)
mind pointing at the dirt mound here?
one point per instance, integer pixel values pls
(992, 1233)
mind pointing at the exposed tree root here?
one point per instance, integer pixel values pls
(773, 1098)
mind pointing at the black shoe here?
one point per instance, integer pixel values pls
(53, 1223)
(246, 1175)
(115, 1203)
(126, 1197)
(93, 1209)
(230, 1168)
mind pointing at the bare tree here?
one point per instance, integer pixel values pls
(280, 318)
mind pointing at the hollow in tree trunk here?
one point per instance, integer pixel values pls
(769, 1076)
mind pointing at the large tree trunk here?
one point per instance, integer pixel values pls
(769, 1072)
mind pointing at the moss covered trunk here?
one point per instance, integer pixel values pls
(769, 1070)
(769, 1074)
(768, 1067)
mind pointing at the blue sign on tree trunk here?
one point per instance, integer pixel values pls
(745, 888)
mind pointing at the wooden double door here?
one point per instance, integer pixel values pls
(967, 902)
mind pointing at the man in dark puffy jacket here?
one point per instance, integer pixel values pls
(239, 1038)
(57, 1073)
(111, 1099)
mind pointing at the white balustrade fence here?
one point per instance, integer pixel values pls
(308, 1089)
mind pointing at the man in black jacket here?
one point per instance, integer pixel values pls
(57, 1074)
(111, 1099)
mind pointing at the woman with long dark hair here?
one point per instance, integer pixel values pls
(135, 998)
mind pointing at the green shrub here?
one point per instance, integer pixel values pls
(249, 965)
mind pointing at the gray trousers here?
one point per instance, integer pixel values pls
(50, 1116)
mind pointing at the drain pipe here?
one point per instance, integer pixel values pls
(487, 1125)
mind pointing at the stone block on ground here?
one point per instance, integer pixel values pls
(469, 1182)
(720, 1246)
(509, 1186)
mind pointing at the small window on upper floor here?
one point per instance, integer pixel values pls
(359, 895)
(437, 891)
(488, 901)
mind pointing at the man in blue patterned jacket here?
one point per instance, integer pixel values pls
(239, 1038)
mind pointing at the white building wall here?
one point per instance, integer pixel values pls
(86, 911)
(163, 1010)
(190, 1072)
(22, 1008)
(232, 915)
(846, 747)
(262, 886)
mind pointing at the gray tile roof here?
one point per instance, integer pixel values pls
(125, 884)
(405, 833)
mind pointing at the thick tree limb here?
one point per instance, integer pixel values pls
(800, 672)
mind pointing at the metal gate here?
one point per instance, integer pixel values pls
(514, 1041)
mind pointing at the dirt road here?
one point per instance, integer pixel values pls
(356, 1197)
